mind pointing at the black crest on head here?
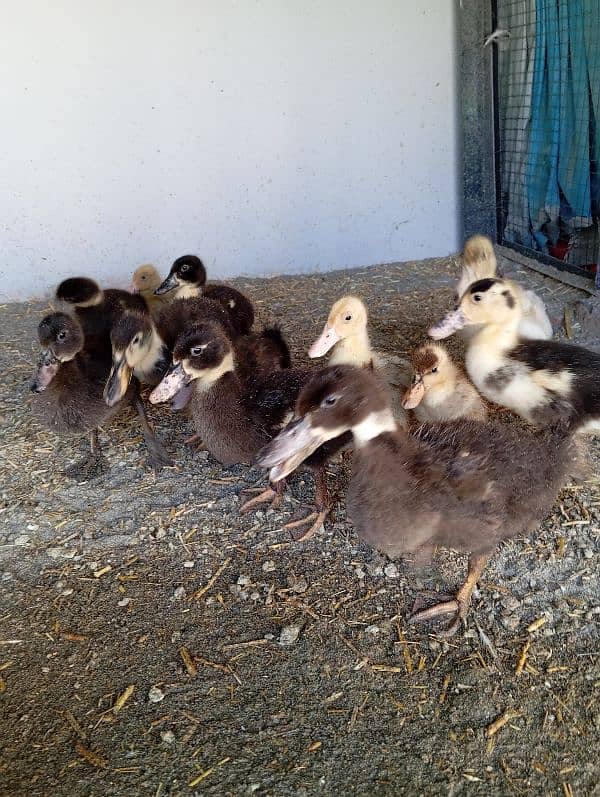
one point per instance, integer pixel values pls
(77, 289)
(482, 285)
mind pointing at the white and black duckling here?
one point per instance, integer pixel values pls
(346, 331)
(235, 413)
(463, 484)
(69, 384)
(479, 262)
(145, 280)
(97, 309)
(440, 391)
(543, 381)
(187, 278)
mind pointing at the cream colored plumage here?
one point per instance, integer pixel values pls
(439, 390)
(479, 262)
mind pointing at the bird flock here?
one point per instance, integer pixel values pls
(429, 466)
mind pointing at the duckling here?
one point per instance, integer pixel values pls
(346, 331)
(145, 281)
(439, 390)
(69, 384)
(97, 309)
(462, 484)
(143, 347)
(187, 278)
(479, 262)
(236, 414)
(543, 381)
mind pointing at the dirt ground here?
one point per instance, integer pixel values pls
(153, 642)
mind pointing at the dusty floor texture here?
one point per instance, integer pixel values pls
(143, 622)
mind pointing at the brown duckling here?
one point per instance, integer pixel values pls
(69, 384)
(440, 391)
(543, 381)
(463, 484)
(187, 278)
(97, 309)
(235, 413)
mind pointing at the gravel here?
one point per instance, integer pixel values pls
(289, 668)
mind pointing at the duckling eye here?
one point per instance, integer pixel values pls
(196, 351)
(477, 297)
(143, 277)
(348, 318)
(185, 267)
(62, 334)
(329, 401)
(136, 340)
(434, 370)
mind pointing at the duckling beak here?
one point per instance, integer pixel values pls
(449, 325)
(167, 285)
(133, 288)
(290, 448)
(172, 382)
(329, 337)
(46, 371)
(117, 382)
(413, 396)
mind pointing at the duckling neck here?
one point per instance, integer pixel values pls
(186, 290)
(439, 393)
(153, 355)
(375, 424)
(499, 337)
(212, 375)
(353, 350)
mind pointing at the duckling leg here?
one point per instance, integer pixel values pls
(322, 505)
(158, 453)
(460, 604)
(195, 441)
(275, 497)
(91, 465)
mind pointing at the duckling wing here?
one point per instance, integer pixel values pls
(271, 399)
(238, 307)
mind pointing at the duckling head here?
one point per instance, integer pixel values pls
(432, 367)
(131, 339)
(347, 317)
(202, 354)
(79, 292)
(335, 400)
(61, 339)
(187, 276)
(145, 279)
(479, 262)
(485, 302)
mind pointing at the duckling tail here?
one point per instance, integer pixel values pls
(274, 335)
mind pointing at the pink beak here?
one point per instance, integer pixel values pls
(413, 396)
(449, 325)
(133, 288)
(329, 337)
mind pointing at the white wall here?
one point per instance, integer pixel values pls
(267, 136)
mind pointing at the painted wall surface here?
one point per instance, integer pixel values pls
(267, 136)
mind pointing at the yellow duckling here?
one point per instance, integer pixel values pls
(439, 390)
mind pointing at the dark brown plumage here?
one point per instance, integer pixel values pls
(462, 484)
(97, 309)
(187, 278)
(69, 385)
